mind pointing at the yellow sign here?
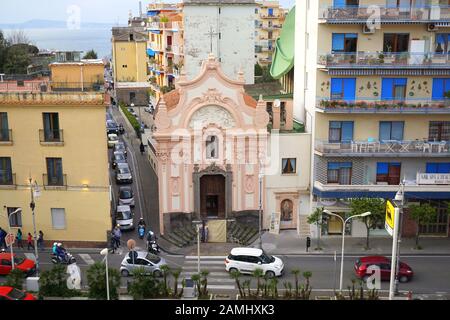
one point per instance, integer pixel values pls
(390, 217)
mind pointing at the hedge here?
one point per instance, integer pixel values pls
(134, 123)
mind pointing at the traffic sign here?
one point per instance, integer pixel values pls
(391, 212)
(9, 239)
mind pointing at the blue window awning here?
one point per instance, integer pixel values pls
(155, 31)
(152, 13)
(150, 52)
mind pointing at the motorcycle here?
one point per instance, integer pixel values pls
(141, 231)
(68, 259)
(153, 247)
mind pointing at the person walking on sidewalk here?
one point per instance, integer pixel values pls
(2, 239)
(40, 240)
(30, 242)
(19, 237)
(142, 148)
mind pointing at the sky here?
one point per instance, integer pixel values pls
(103, 11)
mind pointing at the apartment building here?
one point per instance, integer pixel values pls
(165, 46)
(268, 22)
(377, 104)
(53, 138)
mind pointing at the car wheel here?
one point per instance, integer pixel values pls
(232, 270)
(404, 279)
(157, 274)
(125, 273)
(270, 274)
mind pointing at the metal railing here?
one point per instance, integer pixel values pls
(54, 181)
(5, 135)
(49, 136)
(270, 16)
(376, 104)
(384, 13)
(383, 147)
(51, 86)
(384, 59)
(8, 179)
(171, 25)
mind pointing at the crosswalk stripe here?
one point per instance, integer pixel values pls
(205, 257)
(206, 262)
(203, 266)
(30, 256)
(211, 274)
(216, 286)
(87, 258)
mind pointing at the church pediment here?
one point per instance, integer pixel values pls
(212, 114)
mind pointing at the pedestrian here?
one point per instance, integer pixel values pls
(206, 233)
(117, 235)
(30, 242)
(19, 237)
(2, 238)
(40, 240)
(142, 147)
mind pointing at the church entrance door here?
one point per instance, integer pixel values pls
(212, 196)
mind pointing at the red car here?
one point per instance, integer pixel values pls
(10, 293)
(405, 273)
(26, 265)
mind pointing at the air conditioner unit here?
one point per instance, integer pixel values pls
(368, 30)
(432, 27)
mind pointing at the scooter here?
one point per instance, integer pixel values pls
(153, 247)
(68, 259)
(141, 231)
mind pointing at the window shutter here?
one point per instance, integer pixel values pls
(387, 85)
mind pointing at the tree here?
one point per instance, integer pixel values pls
(3, 50)
(15, 279)
(53, 283)
(316, 218)
(176, 274)
(258, 273)
(296, 272)
(165, 269)
(17, 37)
(258, 70)
(96, 275)
(235, 274)
(265, 75)
(143, 286)
(17, 60)
(374, 205)
(422, 214)
(91, 54)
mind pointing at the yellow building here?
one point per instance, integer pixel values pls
(58, 140)
(378, 99)
(269, 20)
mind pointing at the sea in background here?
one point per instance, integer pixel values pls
(63, 39)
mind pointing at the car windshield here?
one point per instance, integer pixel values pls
(124, 170)
(119, 156)
(153, 258)
(120, 147)
(111, 124)
(16, 294)
(126, 194)
(266, 258)
(123, 215)
(113, 138)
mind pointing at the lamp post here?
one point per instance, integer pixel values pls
(198, 223)
(104, 252)
(344, 222)
(33, 189)
(260, 180)
(399, 196)
(9, 230)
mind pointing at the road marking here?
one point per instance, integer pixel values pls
(87, 258)
(347, 256)
(216, 286)
(211, 274)
(206, 262)
(30, 256)
(205, 257)
(202, 265)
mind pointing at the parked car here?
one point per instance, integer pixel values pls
(126, 196)
(26, 265)
(118, 157)
(124, 218)
(112, 127)
(362, 265)
(149, 262)
(148, 109)
(113, 139)
(120, 147)
(246, 260)
(10, 293)
(123, 173)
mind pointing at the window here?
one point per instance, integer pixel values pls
(256, 11)
(51, 127)
(270, 10)
(389, 172)
(442, 43)
(269, 35)
(396, 42)
(344, 42)
(15, 218)
(438, 167)
(441, 86)
(289, 165)
(58, 218)
(6, 177)
(212, 147)
(131, 37)
(4, 128)
(124, 66)
(340, 131)
(439, 131)
(132, 97)
(393, 89)
(345, 3)
(440, 225)
(54, 172)
(343, 88)
(286, 210)
(391, 130)
(339, 172)
(169, 40)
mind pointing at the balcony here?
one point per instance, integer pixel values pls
(366, 60)
(8, 181)
(168, 48)
(385, 148)
(155, 46)
(6, 137)
(51, 137)
(363, 14)
(270, 16)
(54, 182)
(168, 26)
(51, 86)
(375, 105)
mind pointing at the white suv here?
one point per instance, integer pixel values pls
(246, 260)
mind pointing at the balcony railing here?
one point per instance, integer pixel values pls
(5, 136)
(8, 179)
(51, 86)
(51, 136)
(435, 13)
(370, 148)
(169, 48)
(51, 181)
(384, 60)
(270, 16)
(375, 105)
(174, 26)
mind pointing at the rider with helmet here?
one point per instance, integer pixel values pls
(60, 252)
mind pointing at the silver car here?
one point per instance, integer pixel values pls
(150, 263)
(126, 196)
(124, 218)
(123, 173)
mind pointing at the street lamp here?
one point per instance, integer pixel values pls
(399, 196)
(34, 192)
(344, 222)
(198, 223)
(104, 252)
(9, 230)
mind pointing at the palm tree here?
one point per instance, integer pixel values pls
(246, 284)
(204, 275)
(258, 273)
(274, 287)
(306, 290)
(176, 274)
(196, 279)
(165, 269)
(235, 274)
(296, 272)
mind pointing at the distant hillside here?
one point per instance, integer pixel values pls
(45, 24)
